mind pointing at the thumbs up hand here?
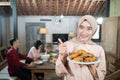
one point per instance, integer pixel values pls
(62, 51)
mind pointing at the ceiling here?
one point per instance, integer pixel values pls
(59, 7)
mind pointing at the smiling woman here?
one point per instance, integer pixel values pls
(85, 31)
(87, 27)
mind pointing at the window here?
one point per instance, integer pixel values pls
(97, 36)
(0, 32)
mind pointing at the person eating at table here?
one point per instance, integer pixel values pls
(35, 54)
(34, 51)
(81, 44)
(15, 66)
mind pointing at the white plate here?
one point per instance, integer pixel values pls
(38, 62)
(44, 60)
(87, 63)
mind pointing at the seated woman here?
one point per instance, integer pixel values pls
(35, 53)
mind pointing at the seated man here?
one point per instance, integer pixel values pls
(15, 67)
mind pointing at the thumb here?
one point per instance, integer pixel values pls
(60, 41)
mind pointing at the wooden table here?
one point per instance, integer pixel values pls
(41, 68)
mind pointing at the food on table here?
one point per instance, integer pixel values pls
(53, 60)
(53, 57)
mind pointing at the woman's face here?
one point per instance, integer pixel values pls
(85, 31)
(39, 46)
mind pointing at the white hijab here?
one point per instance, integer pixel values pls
(93, 24)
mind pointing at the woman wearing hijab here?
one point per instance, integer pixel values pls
(87, 26)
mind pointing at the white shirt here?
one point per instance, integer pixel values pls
(34, 53)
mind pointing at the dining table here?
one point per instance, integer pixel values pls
(45, 67)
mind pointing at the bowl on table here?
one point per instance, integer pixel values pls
(54, 54)
(45, 57)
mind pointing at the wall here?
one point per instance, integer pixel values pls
(4, 31)
(114, 8)
(67, 24)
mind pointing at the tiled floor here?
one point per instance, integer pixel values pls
(48, 76)
(5, 76)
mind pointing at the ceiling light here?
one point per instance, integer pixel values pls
(62, 16)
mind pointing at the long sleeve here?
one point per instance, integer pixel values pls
(13, 60)
(24, 57)
(75, 71)
(101, 69)
(60, 68)
(34, 53)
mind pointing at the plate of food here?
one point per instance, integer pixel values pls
(83, 57)
(38, 62)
